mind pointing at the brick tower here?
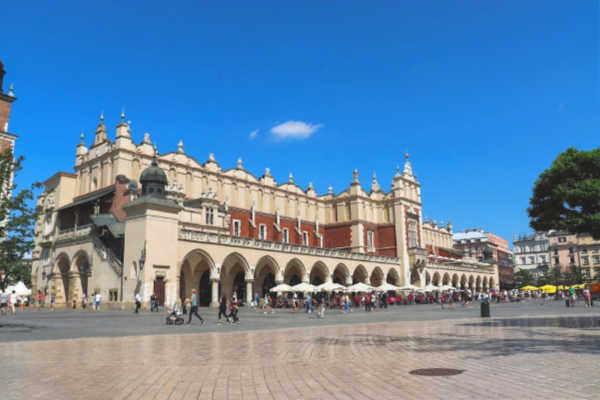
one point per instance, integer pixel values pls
(6, 139)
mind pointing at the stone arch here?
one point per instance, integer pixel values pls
(62, 284)
(319, 273)
(415, 278)
(446, 279)
(341, 274)
(478, 283)
(463, 282)
(393, 277)
(491, 281)
(196, 272)
(234, 271)
(376, 277)
(455, 280)
(485, 283)
(427, 278)
(471, 280)
(436, 281)
(82, 266)
(295, 272)
(265, 275)
(360, 274)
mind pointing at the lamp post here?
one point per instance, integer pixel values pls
(142, 262)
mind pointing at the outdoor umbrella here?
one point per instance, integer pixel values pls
(303, 287)
(548, 288)
(408, 287)
(330, 287)
(431, 288)
(359, 287)
(529, 287)
(282, 287)
(20, 289)
(387, 287)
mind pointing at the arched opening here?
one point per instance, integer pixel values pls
(377, 277)
(478, 283)
(446, 279)
(427, 278)
(392, 277)
(264, 275)
(485, 283)
(491, 283)
(415, 279)
(195, 274)
(341, 274)
(82, 265)
(294, 272)
(360, 275)
(62, 290)
(463, 282)
(436, 279)
(233, 274)
(455, 281)
(471, 282)
(318, 273)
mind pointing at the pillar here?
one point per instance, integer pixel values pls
(249, 291)
(214, 301)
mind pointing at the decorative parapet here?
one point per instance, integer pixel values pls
(227, 240)
(454, 264)
(72, 235)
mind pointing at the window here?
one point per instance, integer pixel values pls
(286, 235)
(542, 259)
(45, 256)
(595, 249)
(523, 260)
(113, 295)
(596, 259)
(209, 216)
(585, 260)
(305, 238)
(556, 261)
(555, 252)
(584, 250)
(571, 251)
(412, 234)
(236, 227)
(48, 223)
(371, 240)
(562, 239)
(262, 232)
(587, 272)
(572, 260)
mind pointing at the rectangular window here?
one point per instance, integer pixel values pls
(305, 238)
(595, 249)
(236, 227)
(584, 251)
(572, 260)
(596, 259)
(542, 259)
(555, 252)
(262, 232)
(209, 216)
(286, 235)
(523, 260)
(556, 261)
(412, 234)
(531, 260)
(371, 240)
(588, 273)
(585, 260)
(570, 250)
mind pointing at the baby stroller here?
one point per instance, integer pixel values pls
(174, 317)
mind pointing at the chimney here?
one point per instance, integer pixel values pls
(2, 72)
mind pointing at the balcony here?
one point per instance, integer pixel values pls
(227, 240)
(74, 234)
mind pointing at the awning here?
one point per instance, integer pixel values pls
(87, 198)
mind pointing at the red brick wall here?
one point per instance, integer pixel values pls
(119, 200)
(337, 236)
(244, 217)
(4, 114)
(385, 241)
(5, 144)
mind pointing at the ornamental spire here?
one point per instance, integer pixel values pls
(407, 166)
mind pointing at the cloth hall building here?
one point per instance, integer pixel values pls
(128, 220)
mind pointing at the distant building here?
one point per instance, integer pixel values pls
(531, 252)
(473, 242)
(579, 250)
(6, 99)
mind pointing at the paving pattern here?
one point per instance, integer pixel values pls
(512, 358)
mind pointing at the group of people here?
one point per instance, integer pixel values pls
(9, 302)
(228, 308)
(94, 299)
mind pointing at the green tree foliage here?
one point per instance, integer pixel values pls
(566, 196)
(544, 275)
(17, 229)
(574, 275)
(523, 277)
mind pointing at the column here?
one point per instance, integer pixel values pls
(249, 290)
(214, 302)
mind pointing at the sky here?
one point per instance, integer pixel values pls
(482, 95)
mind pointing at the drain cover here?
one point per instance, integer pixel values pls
(437, 371)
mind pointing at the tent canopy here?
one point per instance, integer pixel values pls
(330, 287)
(359, 287)
(303, 287)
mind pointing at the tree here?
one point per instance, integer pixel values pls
(566, 197)
(543, 277)
(523, 277)
(17, 229)
(556, 276)
(574, 275)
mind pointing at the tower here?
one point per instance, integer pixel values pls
(6, 99)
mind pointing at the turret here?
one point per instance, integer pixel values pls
(153, 180)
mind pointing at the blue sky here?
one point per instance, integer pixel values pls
(483, 95)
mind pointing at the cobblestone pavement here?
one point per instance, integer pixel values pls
(555, 357)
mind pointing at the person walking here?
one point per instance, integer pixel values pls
(97, 299)
(153, 306)
(83, 301)
(138, 302)
(40, 299)
(223, 309)
(194, 308)
(52, 301)
(233, 311)
(74, 302)
(587, 296)
(12, 301)
(308, 305)
(3, 302)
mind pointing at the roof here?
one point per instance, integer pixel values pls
(115, 227)
(89, 197)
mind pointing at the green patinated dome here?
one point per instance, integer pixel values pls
(153, 174)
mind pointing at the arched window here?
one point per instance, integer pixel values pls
(412, 234)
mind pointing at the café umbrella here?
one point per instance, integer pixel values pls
(359, 288)
(303, 287)
(281, 288)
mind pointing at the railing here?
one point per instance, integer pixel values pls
(107, 254)
(71, 234)
(217, 238)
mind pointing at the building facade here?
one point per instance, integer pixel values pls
(579, 250)
(195, 225)
(7, 139)
(473, 243)
(531, 252)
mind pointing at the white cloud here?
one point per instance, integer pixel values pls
(294, 130)
(253, 134)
